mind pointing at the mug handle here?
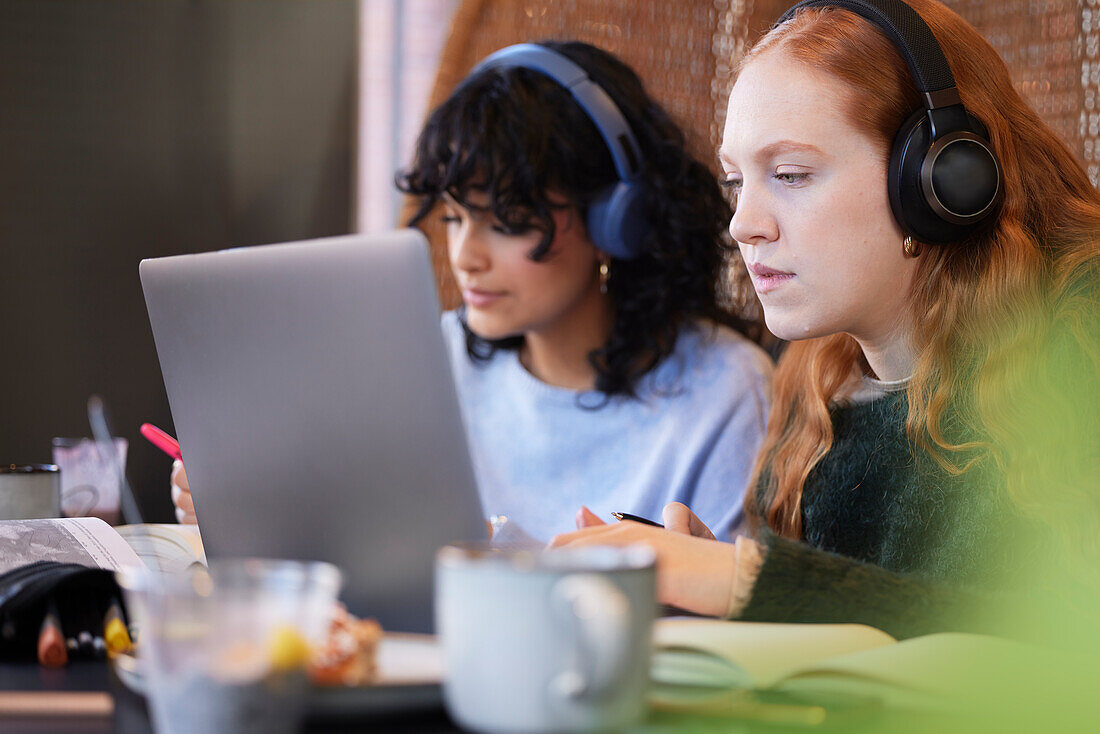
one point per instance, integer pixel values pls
(599, 614)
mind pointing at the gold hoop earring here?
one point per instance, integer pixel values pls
(910, 247)
(605, 275)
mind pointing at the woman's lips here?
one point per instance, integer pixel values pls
(766, 279)
(480, 299)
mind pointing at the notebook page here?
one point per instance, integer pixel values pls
(766, 652)
(86, 540)
(951, 670)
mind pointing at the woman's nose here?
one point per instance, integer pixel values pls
(753, 222)
(465, 243)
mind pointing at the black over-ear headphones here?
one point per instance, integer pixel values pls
(617, 221)
(944, 178)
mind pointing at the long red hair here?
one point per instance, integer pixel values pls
(987, 307)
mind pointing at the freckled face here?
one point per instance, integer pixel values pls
(506, 293)
(812, 218)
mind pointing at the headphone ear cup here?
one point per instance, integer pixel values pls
(617, 221)
(973, 177)
(907, 201)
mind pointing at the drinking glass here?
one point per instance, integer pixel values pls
(225, 649)
(91, 478)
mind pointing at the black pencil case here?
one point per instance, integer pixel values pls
(80, 595)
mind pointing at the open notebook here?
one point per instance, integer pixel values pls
(91, 542)
(697, 663)
(717, 654)
(165, 546)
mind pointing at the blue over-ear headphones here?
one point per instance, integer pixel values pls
(617, 222)
(944, 179)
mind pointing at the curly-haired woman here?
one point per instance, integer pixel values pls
(612, 377)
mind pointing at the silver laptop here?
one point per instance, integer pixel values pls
(316, 412)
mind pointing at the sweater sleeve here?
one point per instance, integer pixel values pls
(799, 583)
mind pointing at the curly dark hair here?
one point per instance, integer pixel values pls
(516, 135)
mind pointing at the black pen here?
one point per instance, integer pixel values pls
(620, 516)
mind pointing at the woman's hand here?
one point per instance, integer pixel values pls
(679, 519)
(695, 573)
(676, 517)
(181, 495)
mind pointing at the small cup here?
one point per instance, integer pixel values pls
(226, 650)
(91, 480)
(548, 641)
(29, 491)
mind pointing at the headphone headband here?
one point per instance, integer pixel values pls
(591, 97)
(617, 220)
(910, 34)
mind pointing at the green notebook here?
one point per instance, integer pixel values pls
(697, 663)
(720, 654)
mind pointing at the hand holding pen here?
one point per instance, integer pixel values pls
(676, 515)
(687, 562)
(181, 490)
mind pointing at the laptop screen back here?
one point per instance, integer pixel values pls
(316, 412)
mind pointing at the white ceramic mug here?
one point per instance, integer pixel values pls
(552, 641)
(29, 491)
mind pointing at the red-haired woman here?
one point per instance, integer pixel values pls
(931, 436)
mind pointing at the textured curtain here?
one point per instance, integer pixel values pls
(1051, 49)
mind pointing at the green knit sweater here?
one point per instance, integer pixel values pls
(890, 538)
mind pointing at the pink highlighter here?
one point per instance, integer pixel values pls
(161, 440)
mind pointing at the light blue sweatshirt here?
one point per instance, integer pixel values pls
(692, 437)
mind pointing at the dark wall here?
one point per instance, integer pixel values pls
(139, 129)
